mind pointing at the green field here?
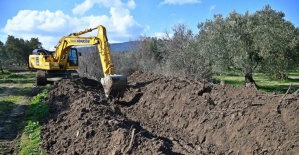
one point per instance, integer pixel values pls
(15, 89)
(22, 78)
(263, 82)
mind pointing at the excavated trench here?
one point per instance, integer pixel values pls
(163, 115)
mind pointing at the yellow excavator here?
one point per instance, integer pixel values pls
(63, 63)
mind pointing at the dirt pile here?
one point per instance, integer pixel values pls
(162, 115)
(82, 122)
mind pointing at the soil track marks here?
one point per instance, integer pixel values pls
(162, 115)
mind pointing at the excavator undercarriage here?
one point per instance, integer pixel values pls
(45, 77)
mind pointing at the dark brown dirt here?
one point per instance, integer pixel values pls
(162, 115)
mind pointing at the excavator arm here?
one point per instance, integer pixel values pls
(74, 39)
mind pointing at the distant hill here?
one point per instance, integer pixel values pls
(122, 47)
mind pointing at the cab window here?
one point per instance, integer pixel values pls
(73, 57)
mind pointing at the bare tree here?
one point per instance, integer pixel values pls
(183, 53)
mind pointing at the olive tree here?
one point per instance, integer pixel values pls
(277, 41)
(3, 56)
(247, 42)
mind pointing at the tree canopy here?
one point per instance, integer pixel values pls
(262, 41)
(17, 50)
(246, 42)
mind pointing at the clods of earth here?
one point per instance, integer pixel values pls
(164, 115)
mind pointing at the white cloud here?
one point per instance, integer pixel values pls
(3, 37)
(146, 28)
(131, 4)
(49, 26)
(163, 35)
(49, 42)
(88, 4)
(212, 7)
(27, 20)
(179, 2)
(83, 7)
(160, 35)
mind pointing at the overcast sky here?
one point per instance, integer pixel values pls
(124, 20)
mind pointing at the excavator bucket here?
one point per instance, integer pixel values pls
(114, 85)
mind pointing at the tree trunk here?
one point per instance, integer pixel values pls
(1, 67)
(249, 82)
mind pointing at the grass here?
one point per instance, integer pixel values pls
(13, 88)
(31, 135)
(264, 83)
(17, 89)
(38, 109)
(7, 103)
(8, 77)
(30, 139)
(294, 75)
(16, 84)
(12, 93)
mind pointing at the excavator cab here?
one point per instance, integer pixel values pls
(73, 57)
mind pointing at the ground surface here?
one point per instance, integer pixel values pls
(162, 115)
(12, 114)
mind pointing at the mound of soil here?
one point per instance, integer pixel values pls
(162, 115)
(83, 122)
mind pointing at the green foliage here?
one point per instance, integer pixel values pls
(15, 91)
(30, 140)
(183, 54)
(18, 50)
(31, 136)
(14, 76)
(175, 55)
(155, 45)
(5, 72)
(40, 97)
(9, 77)
(38, 109)
(3, 56)
(30, 129)
(277, 41)
(263, 40)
